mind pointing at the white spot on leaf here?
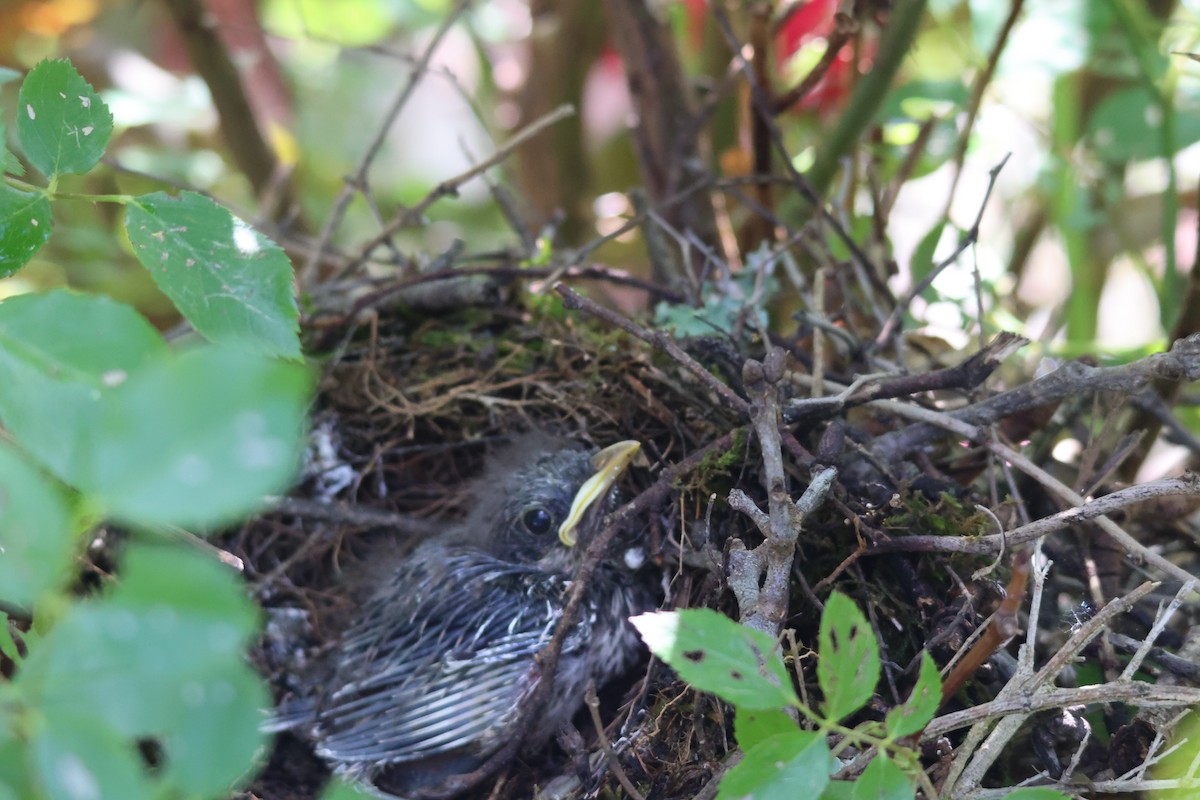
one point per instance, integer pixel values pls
(256, 448)
(77, 779)
(162, 618)
(85, 101)
(192, 694)
(123, 625)
(114, 377)
(29, 110)
(245, 239)
(192, 470)
(222, 693)
(224, 638)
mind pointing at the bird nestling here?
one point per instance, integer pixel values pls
(430, 679)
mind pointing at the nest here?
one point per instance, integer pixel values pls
(406, 416)
(409, 406)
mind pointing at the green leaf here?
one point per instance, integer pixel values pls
(9, 163)
(921, 263)
(76, 758)
(200, 439)
(231, 282)
(225, 735)
(1126, 125)
(883, 780)
(784, 767)
(25, 225)
(715, 654)
(753, 726)
(14, 768)
(8, 649)
(35, 534)
(921, 100)
(92, 392)
(60, 354)
(848, 657)
(133, 658)
(921, 705)
(838, 790)
(161, 656)
(861, 230)
(62, 123)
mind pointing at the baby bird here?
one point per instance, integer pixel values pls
(429, 681)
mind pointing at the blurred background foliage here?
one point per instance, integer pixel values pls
(1086, 244)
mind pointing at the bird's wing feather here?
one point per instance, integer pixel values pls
(443, 667)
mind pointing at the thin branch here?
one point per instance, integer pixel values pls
(575, 301)
(354, 515)
(977, 93)
(1187, 486)
(1131, 545)
(969, 374)
(358, 181)
(892, 325)
(450, 186)
(1181, 364)
(1000, 632)
(1026, 693)
(610, 756)
(845, 28)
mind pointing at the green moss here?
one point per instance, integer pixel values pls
(946, 516)
(718, 465)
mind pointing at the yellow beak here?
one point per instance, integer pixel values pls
(610, 463)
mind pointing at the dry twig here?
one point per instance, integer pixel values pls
(761, 578)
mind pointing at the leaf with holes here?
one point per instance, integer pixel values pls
(751, 726)
(161, 655)
(883, 780)
(73, 757)
(231, 282)
(198, 440)
(783, 767)
(921, 705)
(25, 225)
(848, 662)
(62, 123)
(715, 654)
(61, 354)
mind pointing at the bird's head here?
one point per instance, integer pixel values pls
(551, 497)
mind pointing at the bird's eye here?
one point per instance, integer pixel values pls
(537, 521)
